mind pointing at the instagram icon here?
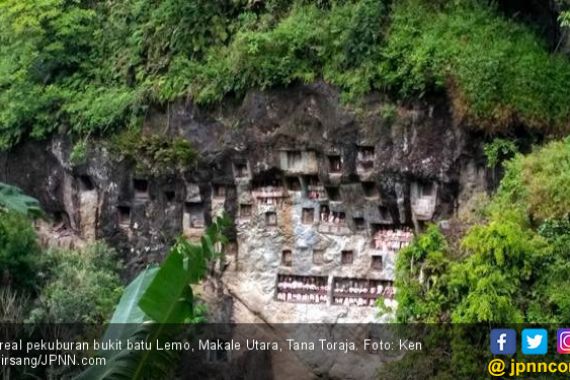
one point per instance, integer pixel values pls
(563, 341)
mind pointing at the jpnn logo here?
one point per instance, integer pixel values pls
(534, 341)
(504, 341)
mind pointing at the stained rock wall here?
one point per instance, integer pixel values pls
(323, 195)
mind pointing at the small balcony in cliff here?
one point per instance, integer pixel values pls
(360, 291)
(389, 239)
(313, 188)
(332, 222)
(269, 194)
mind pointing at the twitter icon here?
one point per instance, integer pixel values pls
(534, 341)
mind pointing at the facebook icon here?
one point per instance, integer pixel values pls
(503, 341)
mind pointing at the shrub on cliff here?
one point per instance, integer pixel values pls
(82, 286)
(511, 268)
(93, 67)
(19, 252)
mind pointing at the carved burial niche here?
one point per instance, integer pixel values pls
(390, 238)
(384, 214)
(359, 223)
(287, 258)
(333, 193)
(293, 183)
(270, 218)
(370, 190)
(170, 195)
(347, 257)
(318, 256)
(85, 183)
(335, 163)
(219, 191)
(241, 170)
(308, 215)
(426, 189)
(194, 215)
(313, 187)
(377, 263)
(124, 216)
(140, 187)
(245, 211)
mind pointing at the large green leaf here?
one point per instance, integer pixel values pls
(165, 299)
(128, 310)
(13, 199)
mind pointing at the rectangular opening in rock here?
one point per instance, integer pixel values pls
(219, 190)
(370, 190)
(377, 263)
(359, 223)
(365, 153)
(293, 183)
(85, 183)
(245, 211)
(426, 189)
(140, 187)
(302, 289)
(270, 218)
(384, 213)
(287, 258)
(318, 256)
(124, 216)
(267, 188)
(240, 170)
(347, 257)
(194, 215)
(170, 195)
(335, 164)
(308, 216)
(313, 187)
(333, 193)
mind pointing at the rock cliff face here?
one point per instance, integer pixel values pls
(323, 196)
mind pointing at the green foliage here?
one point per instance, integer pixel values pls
(546, 176)
(551, 300)
(90, 68)
(154, 154)
(499, 150)
(12, 199)
(81, 286)
(536, 186)
(164, 303)
(419, 271)
(514, 265)
(19, 252)
(490, 284)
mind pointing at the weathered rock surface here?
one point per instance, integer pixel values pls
(322, 195)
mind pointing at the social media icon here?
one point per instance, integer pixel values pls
(504, 341)
(534, 341)
(563, 341)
